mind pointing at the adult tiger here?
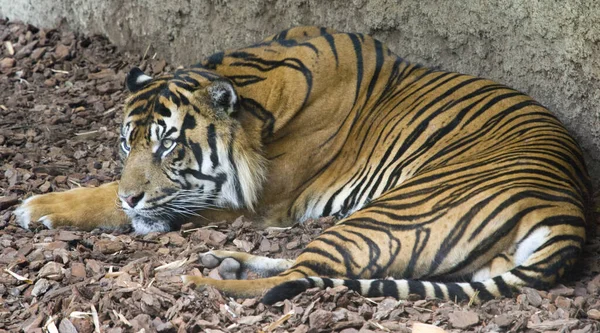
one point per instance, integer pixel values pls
(435, 175)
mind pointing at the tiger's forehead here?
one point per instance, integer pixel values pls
(161, 107)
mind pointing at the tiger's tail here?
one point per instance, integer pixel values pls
(502, 285)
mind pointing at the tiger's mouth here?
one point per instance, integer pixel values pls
(170, 213)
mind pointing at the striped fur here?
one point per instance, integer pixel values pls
(435, 176)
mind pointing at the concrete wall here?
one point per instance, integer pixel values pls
(547, 48)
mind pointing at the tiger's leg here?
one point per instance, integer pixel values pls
(238, 265)
(502, 263)
(85, 208)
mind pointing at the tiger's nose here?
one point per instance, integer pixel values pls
(133, 200)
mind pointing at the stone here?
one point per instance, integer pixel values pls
(66, 326)
(562, 302)
(533, 297)
(61, 51)
(52, 270)
(463, 319)
(78, 270)
(319, 319)
(593, 314)
(504, 320)
(40, 287)
(107, 246)
(7, 63)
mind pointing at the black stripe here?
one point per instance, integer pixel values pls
(390, 288)
(359, 64)
(416, 287)
(353, 285)
(504, 289)
(456, 292)
(322, 253)
(330, 40)
(211, 137)
(483, 294)
(374, 289)
(327, 283)
(438, 291)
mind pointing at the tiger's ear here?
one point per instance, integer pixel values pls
(136, 80)
(223, 96)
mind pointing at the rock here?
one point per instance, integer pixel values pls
(562, 302)
(61, 51)
(7, 202)
(463, 319)
(51, 82)
(593, 314)
(102, 74)
(243, 245)
(175, 239)
(292, 245)
(55, 245)
(265, 245)
(40, 287)
(158, 66)
(52, 271)
(83, 325)
(107, 246)
(7, 63)
(66, 235)
(585, 329)
(533, 296)
(66, 326)
(552, 324)
(37, 55)
(211, 237)
(250, 320)
(593, 286)
(165, 328)
(78, 270)
(561, 290)
(504, 320)
(301, 329)
(25, 50)
(94, 266)
(319, 319)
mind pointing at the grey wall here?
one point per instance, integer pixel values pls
(546, 48)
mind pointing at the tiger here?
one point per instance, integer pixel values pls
(445, 185)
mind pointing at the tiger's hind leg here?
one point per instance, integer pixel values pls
(234, 265)
(502, 263)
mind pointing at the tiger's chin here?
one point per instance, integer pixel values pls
(144, 225)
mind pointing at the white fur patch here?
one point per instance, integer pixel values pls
(23, 215)
(481, 275)
(143, 79)
(402, 286)
(528, 245)
(45, 220)
(141, 227)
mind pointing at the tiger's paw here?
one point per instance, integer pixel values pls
(228, 267)
(83, 208)
(27, 215)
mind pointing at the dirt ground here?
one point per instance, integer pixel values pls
(60, 108)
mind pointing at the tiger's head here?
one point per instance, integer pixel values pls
(184, 150)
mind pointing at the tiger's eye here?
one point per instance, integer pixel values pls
(167, 143)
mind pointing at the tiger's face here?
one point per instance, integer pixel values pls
(184, 150)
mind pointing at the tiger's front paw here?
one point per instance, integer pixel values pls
(83, 208)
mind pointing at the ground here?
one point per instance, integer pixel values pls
(60, 108)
